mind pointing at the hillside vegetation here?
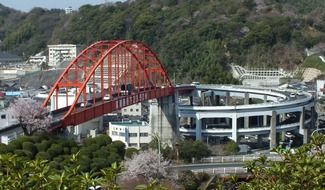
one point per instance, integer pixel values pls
(195, 40)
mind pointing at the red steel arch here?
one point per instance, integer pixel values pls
(126, 71)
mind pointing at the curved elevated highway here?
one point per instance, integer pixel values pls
(207, 111)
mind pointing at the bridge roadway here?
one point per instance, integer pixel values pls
(99, 106)
(300, 103)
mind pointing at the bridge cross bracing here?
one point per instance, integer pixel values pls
(125, 71)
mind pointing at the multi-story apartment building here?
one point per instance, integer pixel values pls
(62, 52)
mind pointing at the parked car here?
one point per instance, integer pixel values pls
(87, 104)
(107, 97)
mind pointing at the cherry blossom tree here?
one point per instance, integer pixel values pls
(30, 114)
(146, 164)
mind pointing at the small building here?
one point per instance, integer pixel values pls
(133, 110)
(62, 52)
(134, 134)
(8, 129)
(37, 60)
(320, 88)
(68, 10)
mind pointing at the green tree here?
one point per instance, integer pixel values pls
(193, 149)
(303, 169)
(189, 180)
(231, 147)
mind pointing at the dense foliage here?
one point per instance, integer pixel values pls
(303, 169)
(196, 150)
(196, 40)
(95, 153)
(17, 173)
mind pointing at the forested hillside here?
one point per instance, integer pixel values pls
(195, 40)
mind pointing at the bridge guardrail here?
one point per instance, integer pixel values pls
(226, 170)
(237, 158)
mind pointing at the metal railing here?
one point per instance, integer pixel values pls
(237, 158)
(226, 170)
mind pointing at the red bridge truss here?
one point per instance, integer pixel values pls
(107, 76)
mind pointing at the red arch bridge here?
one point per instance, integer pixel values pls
(104, 77)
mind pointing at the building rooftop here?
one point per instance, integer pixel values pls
(130, 123)
(7, 57)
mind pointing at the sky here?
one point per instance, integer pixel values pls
(27, 5)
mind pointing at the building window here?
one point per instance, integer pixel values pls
(131, 110)
(125, 110)
(132, 144)
(143, 134)
(133, 134)
(3, 116)
(137, 110)
(115, 133)
(122, 134)
(143, 144)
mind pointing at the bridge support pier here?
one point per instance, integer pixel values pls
(234, 135)
(265, 116)
(227, 102)
(302, 129)
(273, 130)
(163, 119)
(198, 129)
(246, 119)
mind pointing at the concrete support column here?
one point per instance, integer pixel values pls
(227, 98)
(191, 100)
(217, 100)
(259, 140)
(265, 116)
(213, 99)
(198, 130)
(283, 136)
(265, 120)
(234, 136)
(177, 118)
(246, 99)
(227, 102)
(302, 129)
(162, 119)
(313, 118)
(246, 122)
(203, 99)
(246, 119)
(273, 130)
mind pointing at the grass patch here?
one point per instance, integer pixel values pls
(314, 62)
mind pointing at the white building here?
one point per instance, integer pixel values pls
(8, 133)
(37, 60)
(62, 52)
(6, 118)
(68, 10)
(133, 110)
(133, 133)
(259, 76)
(320, 88)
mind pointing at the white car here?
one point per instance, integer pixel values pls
(87, 104)
(292, 95)
(106, 97)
